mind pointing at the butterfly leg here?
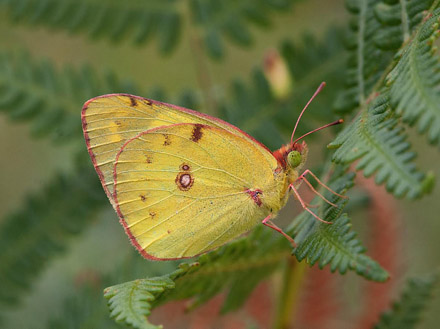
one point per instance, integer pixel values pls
(307, 171)
(311, 205)
(303, 178)
(270, 224)
(301, 201)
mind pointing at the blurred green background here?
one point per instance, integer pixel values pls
(28, 164)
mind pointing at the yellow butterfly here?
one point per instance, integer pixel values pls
(184, 183)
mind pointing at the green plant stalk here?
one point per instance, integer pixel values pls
(293, 277)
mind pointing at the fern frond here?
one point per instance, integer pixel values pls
(140, 22)
(406, 313)
(231, 18)
(30, 237)
(381, 145)
(378, 29)
(398, 19)
(366, 62)
(237, 268)
(113, 20)
(333, 244)
(130, 302)
(49, 98)
(415, 81)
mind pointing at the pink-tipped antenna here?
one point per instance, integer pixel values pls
(322, 85)
(317, 129)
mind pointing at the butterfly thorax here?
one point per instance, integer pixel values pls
(275, 197)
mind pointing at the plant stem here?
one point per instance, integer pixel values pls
(292, 281)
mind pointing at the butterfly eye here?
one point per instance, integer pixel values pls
(294, 159)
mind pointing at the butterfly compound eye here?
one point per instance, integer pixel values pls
(294, 159)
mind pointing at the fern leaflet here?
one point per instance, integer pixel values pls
(398, 19)
(365, 63)
(247, 260)
(406, 313)
(50, 98)
(375, 138)
(130, 302)
(114, 20)
(33, 235)
(415, 80)
(333, 244)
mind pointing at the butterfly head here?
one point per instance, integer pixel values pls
(292, 156)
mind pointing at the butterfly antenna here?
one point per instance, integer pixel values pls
(322, 85)
(320, 128)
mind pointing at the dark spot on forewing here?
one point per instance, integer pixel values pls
(197, 133)
(133, 102)
(143, 198)
(167, 140)
(118, 123)
(152, 214)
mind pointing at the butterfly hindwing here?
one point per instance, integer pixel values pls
(180, 190)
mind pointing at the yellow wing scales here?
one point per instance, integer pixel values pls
(111, 120)
(181, 190)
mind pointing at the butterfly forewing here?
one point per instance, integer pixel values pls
(110, 121)
(181, 190)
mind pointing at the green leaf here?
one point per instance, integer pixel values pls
(131, 302)
(248, 260)
(398, 19)
(51, 99)
(366, 63)
(335, 243)
(113, 20)
(407, 312)
(415, 81)
(42, 228)
(375, 138)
